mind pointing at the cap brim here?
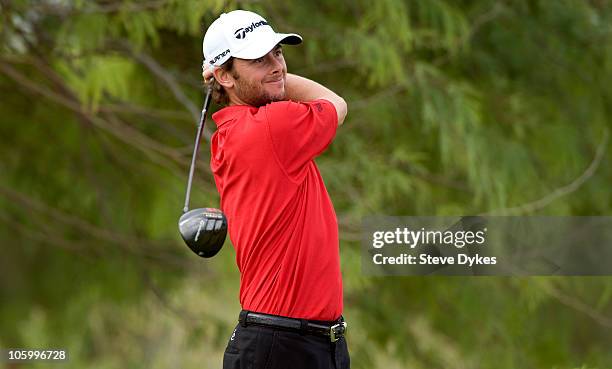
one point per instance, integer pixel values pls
(290, 38)
(261, 47)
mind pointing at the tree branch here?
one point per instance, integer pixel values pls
(578, 305)
(156, 152)
(72, 220)
(52, 237)
(165, 76)
(126, 7)
(366, 101)
(533, 206)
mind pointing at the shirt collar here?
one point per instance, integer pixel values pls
(230, 113)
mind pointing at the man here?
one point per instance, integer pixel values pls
(281, 220)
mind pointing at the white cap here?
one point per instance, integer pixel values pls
(241, 34)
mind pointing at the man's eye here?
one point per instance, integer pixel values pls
(259, 60)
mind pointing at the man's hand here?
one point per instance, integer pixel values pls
(208, 75)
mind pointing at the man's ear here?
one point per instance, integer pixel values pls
(224, 77)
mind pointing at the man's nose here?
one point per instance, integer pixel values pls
(277, 65)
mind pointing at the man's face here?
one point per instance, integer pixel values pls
(259, 81)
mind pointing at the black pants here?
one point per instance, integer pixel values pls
(258, 347)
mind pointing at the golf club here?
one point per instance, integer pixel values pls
(204, 229)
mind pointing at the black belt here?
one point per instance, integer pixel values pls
(334, 330)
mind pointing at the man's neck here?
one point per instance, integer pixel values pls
(235, 100)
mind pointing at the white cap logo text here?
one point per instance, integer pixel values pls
(240, 33)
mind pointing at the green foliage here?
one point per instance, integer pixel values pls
(89, 78)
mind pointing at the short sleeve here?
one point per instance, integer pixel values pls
(300, 131)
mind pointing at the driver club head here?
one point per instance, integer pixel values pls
(204, 230)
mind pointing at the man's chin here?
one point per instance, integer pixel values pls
(266, 99)
(280, 97)
(274, 98)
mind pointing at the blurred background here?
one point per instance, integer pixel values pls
(455, 108)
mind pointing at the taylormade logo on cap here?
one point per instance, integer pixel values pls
(240, 33)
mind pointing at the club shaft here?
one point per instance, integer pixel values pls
(196, 147)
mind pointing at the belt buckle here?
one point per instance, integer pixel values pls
(332, 331)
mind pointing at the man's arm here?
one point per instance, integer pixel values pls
(303, 89)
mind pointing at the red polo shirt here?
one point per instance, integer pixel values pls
(282, 223)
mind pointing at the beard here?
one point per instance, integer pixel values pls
(253, 93)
